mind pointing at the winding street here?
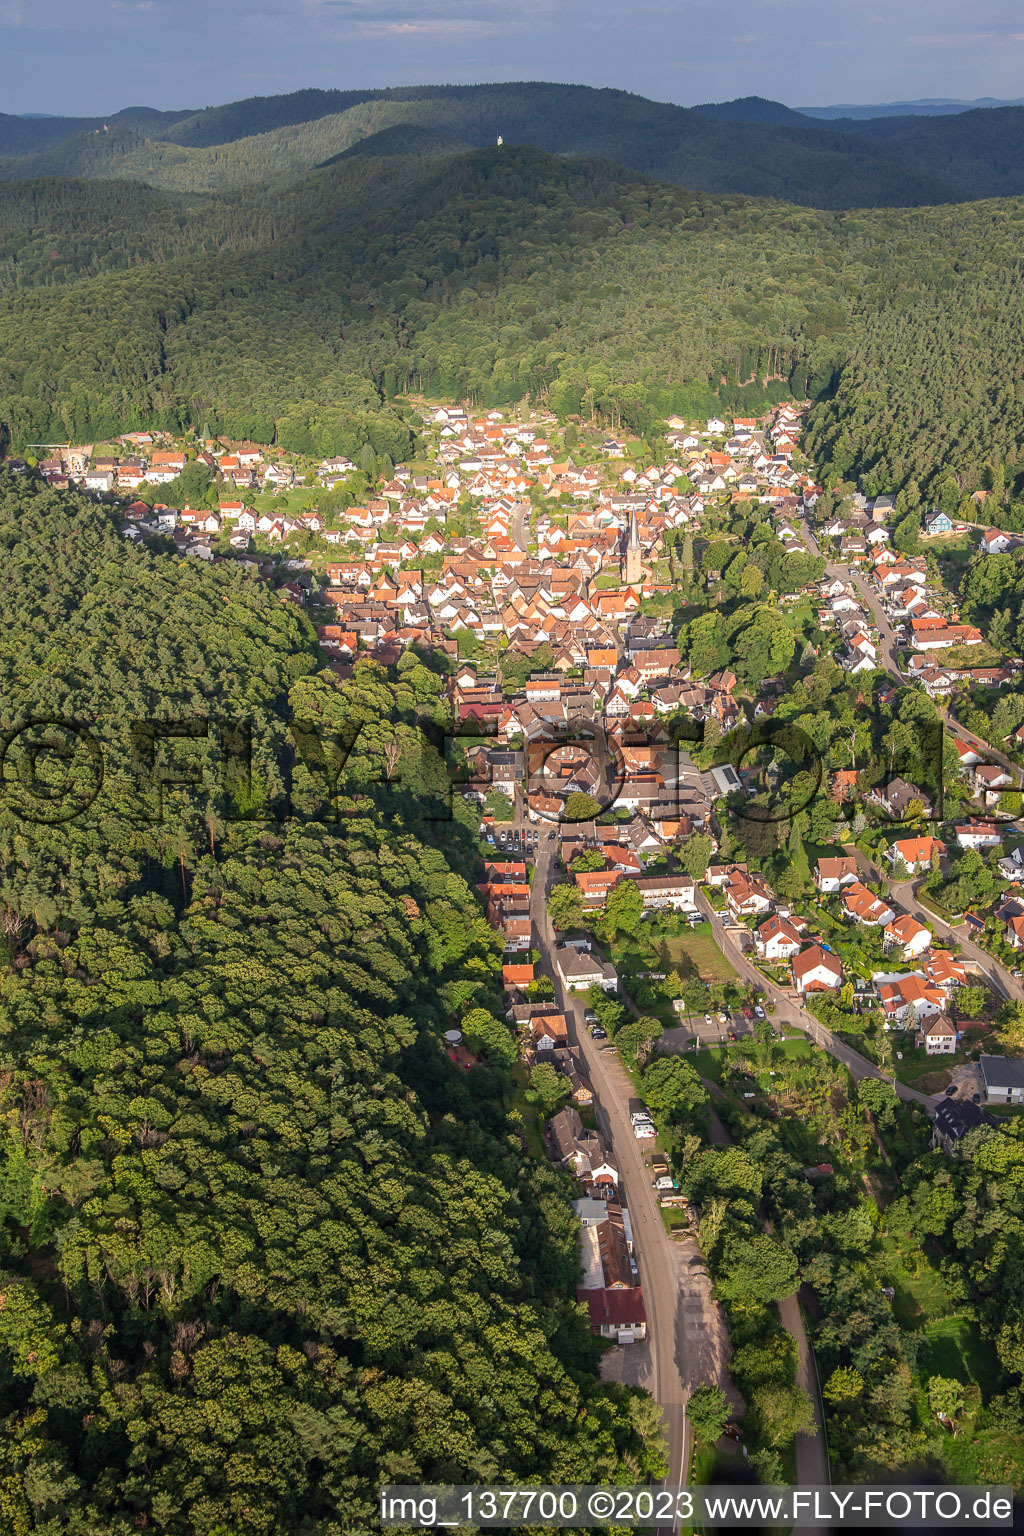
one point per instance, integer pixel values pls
(994, 972)
(789, 1010)
(904, 892)
(833, 568)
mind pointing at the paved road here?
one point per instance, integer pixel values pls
(904, 892)
(890, 647)
(688, 1341)
(811, 1451)
(519, 525)
(994, 972)
(990, 753)
(789, 1010)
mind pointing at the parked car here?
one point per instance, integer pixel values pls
(598, 1033)
(589, 1016)
(759, 1011)
(708, 1019)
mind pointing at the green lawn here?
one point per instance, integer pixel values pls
(699, 949)
(713, 1062)
(990, 1456)
(955, 1348)
(529, 1113)
(796, 1046)
(709, 1064)
(674, 1218)
(921, 1295)
(929, 1074)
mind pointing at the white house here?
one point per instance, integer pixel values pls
(1003, 1077)
(578, 971)
(816, 970)
(909, 999)
(938, 1036)
(830, 875)
(861, 906)
(908, 934)
(913, 852)
(978, 834)
(676, 891)
(777, 938)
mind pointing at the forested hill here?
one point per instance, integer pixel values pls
(501, 273)
(752, 146)
(262, 1246)
(29, 135)
(767, 153)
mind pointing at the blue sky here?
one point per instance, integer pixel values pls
(93, 56)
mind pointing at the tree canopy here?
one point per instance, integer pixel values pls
(263, 1245)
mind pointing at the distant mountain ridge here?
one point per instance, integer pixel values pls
(750, 146)
(926, 106)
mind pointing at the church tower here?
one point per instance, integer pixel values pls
(632, 571)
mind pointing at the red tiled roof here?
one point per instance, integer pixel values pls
(622, 1308)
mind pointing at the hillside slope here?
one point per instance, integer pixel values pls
(981, 150)
(262, 1242)
(501, 273)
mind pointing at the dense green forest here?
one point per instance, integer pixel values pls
(262, 1245)
(503, 273)
(752, 146)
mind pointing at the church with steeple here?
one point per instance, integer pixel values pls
(632, 570)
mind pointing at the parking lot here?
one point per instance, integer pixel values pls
(708, 1029)
(517, 842)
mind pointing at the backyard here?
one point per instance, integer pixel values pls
(695, 953)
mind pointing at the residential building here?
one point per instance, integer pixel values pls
(914, 852)
(954, 1118)
(908, 934)
(816, 969)
(777, 939)
(978, 834)
(616, 1315)
(938, 1036)
(1003, 1077)
(861, 906)
(831, 874)
(578, 971)
(908, 999)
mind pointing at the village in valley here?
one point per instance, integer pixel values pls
(708, 716)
